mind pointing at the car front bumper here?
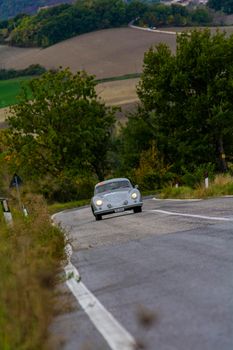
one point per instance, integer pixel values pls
(117, 209)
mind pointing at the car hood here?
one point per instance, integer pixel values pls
(115, 197)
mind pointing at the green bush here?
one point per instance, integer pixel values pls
(177, 192)
(198, 175)
(64, 189)
(34, 69)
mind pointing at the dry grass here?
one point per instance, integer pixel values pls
(3, 114)
(222, 180)
(31, 252)
(118, 92)
(222, 185)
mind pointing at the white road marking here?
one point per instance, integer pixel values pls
(112, 331)
(117, 337)
(177, 199)
(191, 215)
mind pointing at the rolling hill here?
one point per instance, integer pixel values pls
(105, 53)
(11, 8)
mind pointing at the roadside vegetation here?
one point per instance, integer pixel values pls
(31, 254)
(52, 25)
(221, 5)
(221, 185)
(62, 139)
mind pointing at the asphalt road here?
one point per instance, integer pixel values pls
(166, 275)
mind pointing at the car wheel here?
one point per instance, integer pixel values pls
(137, 210)
(98, 217)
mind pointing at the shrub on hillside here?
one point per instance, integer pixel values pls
(32, 70)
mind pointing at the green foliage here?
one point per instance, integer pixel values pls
(182, 192)
(11, 8)
(33, 69)
(55, 24)
(158, 15)
(56, 207)
(64, 188)
(132, 140)
(198, 175)
(221, 5)
(188, 99)
(59, 23)
(220, 185)
(60, 128)
(186, 112)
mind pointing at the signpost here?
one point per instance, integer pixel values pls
(16, 181)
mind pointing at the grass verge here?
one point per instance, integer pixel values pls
(56, 207)
(31, 252)
(222, 185)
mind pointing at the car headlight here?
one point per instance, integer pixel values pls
(99, 202)
(134, 195)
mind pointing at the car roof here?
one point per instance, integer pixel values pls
(112, 180)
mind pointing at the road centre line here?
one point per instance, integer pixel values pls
(117, 337)
(190, 215)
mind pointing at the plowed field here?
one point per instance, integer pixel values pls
(105, 53)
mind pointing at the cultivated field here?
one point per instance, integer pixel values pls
(120, 93)
(104, 53)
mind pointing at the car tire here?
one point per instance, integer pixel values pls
(137, 210)
(98, 217)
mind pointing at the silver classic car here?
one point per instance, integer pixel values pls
(115, 196)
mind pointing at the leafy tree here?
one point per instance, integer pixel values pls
(62, 128)
(132, 140)
(188, 99)
(201, 16)
(135, 9)
(221, 5)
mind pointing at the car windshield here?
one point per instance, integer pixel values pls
(112, 186)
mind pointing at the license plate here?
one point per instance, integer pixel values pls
(119, 210)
